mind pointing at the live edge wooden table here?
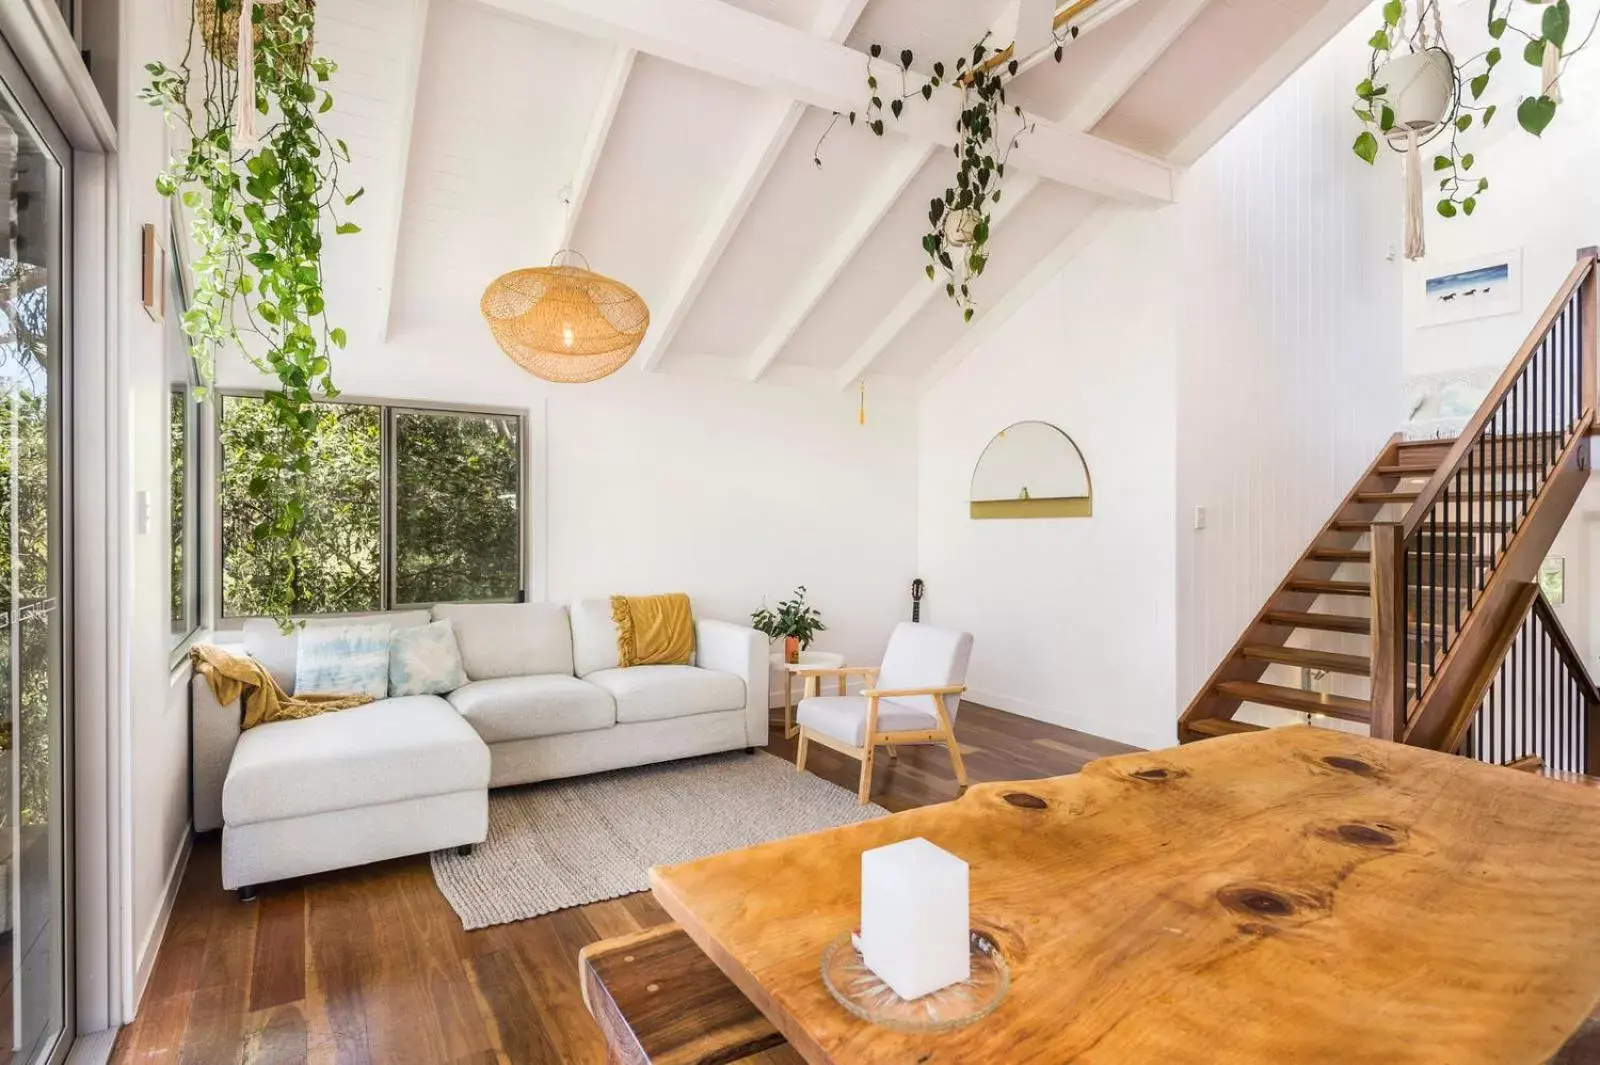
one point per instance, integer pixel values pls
(1291, 896)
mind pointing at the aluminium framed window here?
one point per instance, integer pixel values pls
(183, 466)
(411, 504)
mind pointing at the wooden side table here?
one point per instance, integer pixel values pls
(813, 685)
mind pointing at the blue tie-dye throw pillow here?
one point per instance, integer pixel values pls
(425, 660)
(343, 660)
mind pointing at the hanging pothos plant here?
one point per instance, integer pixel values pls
(258, 209)
(959, 222)
(1544, 37)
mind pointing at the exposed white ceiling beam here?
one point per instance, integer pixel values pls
(723, 40)
(1260, 82)
(593, 144)
(989, 321)
(912, 303)
(1131, 63)
(778, 120)
(880, 198)
(389, 264)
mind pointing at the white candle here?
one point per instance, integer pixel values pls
(914, 917)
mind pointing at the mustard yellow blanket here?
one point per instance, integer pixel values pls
(240, 677)
(653, 630)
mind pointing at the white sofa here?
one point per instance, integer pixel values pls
(544, 699)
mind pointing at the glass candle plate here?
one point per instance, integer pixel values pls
(858, 989)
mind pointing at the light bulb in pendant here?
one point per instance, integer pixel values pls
(566, 336)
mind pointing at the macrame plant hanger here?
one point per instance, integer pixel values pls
(244, 127)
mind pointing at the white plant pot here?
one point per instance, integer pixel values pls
(960, 227)
(1419, 87)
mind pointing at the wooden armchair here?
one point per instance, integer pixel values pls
(914, 698)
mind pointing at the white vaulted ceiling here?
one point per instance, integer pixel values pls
(675, 144)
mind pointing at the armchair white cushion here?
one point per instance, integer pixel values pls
(914, 700)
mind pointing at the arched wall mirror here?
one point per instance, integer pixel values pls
(1031, 470)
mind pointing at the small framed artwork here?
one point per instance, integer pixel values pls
(1553, 580)
(153, 272)
(1474, 288)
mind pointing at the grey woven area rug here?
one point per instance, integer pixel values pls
(571, 842)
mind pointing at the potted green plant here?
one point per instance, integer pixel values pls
(796, 623)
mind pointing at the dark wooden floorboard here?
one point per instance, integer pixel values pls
(370, 966)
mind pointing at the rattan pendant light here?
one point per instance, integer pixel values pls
(565, 323)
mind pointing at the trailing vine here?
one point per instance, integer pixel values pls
(257, 215)
(1544, 47)
(960, 221)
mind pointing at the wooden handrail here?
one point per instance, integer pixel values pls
(1563, 644)
(1470, 435)
(1489, 664)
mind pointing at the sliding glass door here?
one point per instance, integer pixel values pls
(34, 177)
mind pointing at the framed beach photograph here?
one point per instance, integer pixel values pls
(1475, 288)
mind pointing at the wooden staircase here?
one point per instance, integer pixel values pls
(1393, 613)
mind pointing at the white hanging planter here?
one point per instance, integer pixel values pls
(1420, 88)
(961, 227)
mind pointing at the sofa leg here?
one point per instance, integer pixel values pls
(465, 850)
(247, 893)
(749, 750)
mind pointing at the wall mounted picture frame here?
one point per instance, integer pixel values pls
(1553, 580)
(1468, 289)
(153, 273)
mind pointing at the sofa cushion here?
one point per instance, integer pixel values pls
(510, 639)
(844, 717)
(594, 637)
(268, 645)
(425, 660)
(405, 748)
(655, 693)
(521, 708)
(343, 660)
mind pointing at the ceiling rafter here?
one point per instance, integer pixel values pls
(921, 293)
(723, 40)
(777, 123)
(390, 262)
(898, 174)
(1131, 63)
(989, 321)
(594, 143)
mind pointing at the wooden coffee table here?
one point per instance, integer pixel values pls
(1296, 895)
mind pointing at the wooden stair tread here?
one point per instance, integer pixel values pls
(1360, 589)
(1399, 496)
(1297, 619)
(1306, 658)
(1222, 726)
(1339, 554)
(1297, 699)
(1409, 469)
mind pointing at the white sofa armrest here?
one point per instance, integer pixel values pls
(742, 651)
(215, 729)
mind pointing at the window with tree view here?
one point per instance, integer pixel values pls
(407, 506)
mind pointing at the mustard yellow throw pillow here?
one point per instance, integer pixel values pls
(653, 630)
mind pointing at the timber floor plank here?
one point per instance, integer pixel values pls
(370, 966)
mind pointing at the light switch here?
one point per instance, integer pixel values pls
(1199, 517)
(141, 511)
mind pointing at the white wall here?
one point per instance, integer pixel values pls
(1239, 351)
(1542, 199)
(1072, 619)
(1290, 345)
(159, 781)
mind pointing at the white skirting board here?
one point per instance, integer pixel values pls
(169, 894)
